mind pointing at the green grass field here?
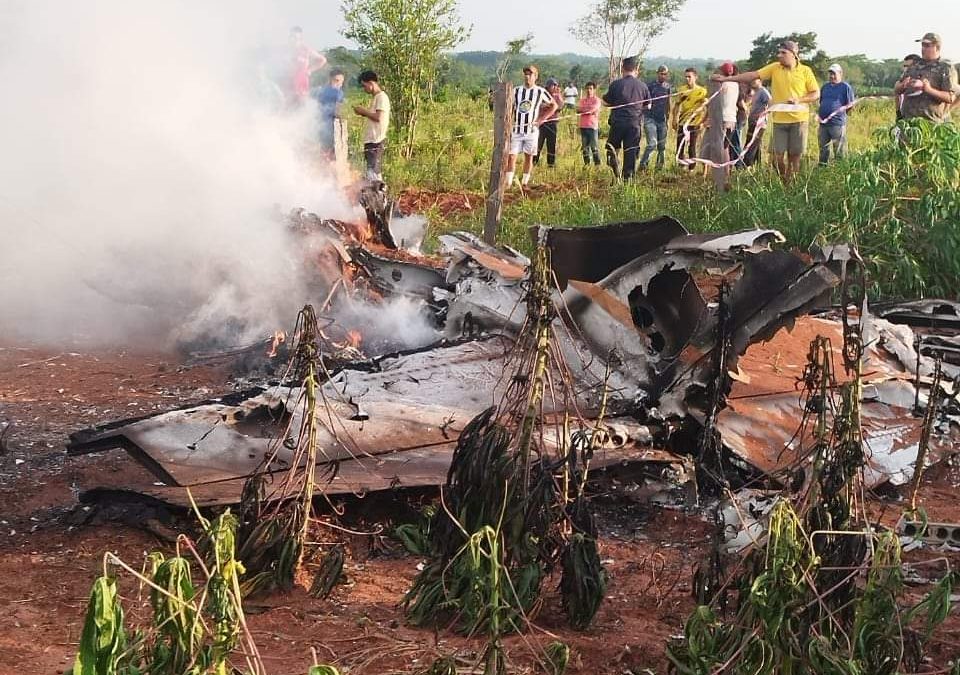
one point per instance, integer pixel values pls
(454, 145)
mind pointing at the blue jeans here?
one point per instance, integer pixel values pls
(656, 132)
(835, 134)
(590, 145)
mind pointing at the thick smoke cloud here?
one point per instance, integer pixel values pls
(141, 173)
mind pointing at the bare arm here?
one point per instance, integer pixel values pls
(745, 78)
(810, 97)
(369, 113)
(947, 97)
(547, 111)
(317, 59)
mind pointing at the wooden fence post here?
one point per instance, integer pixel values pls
(712, 145)
(501, 142)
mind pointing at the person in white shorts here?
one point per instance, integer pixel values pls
(531, 105)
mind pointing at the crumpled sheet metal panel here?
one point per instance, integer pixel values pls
(412, 401)
(417, 467)
(592, 253)
(762, 430)
(773, 289)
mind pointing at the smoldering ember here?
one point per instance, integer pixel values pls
(589, 460)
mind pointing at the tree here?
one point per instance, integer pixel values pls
(622, 28)
(765, 51)
(576, 74)
(403, 40)
(515, 48)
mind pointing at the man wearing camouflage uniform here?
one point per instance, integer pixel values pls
(929, 87)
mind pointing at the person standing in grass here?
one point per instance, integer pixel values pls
(835, 96)
(377, 122)
(793, 87)
(531, 105)
(570, 94)
(588, 116)
(548, 127)
(330, 113)
(655, 119)
(759, 101)
(304, 61)
(626, 98)
(729, 110)
(909, 61)
(689, 113)
(929, 88)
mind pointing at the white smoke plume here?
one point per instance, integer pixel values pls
(141, 173)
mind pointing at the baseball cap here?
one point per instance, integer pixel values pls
(790, 46)
(727, 68)
(551, 82)
(835, 68)
(931, 37)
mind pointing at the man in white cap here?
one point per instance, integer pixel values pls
(836, 96)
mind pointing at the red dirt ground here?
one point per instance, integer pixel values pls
(51, 548)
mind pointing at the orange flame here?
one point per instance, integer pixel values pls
(354, 338)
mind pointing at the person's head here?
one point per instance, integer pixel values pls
(296, 35)
(788, 53)
(835, 73)
(552, 85)
(369, 81)
(727, 69)
(663, 74)
(930, 47)
(909, 61)
(336, 78)
(591, 88)
(690, 76)
(756, 83)
(530, 73)
(630, 65)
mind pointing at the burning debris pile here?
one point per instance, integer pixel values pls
(690, 347)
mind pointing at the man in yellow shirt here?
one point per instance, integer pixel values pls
(689, 112)
(792, 88)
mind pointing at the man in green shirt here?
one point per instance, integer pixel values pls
(929, 87)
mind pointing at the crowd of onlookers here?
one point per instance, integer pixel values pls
(643, 113)
(294, 91)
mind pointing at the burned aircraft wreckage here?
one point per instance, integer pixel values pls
(656, 317)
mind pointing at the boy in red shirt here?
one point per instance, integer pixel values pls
(589, 123)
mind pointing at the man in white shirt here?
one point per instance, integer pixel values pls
(377, 122)
(531, 105)
(570, 96)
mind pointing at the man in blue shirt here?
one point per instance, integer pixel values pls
(626, 99)
(655, 118)
(835, 96)
(329, 112)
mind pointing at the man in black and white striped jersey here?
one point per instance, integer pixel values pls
(531, 105)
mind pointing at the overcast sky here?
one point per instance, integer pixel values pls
(705, 28)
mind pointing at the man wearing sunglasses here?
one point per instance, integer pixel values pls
(929, 87)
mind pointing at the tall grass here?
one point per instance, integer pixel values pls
(903, 217)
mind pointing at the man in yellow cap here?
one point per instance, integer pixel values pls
(929, 87)
(792, 87)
